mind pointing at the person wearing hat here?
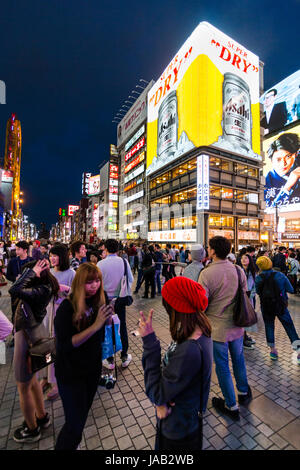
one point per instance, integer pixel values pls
(221, 281)
(272, 287)
(36, 251)
(193, 270)
(179, 387)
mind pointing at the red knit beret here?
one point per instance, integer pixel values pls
(184, 295)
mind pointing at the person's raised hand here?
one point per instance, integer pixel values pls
(145, 326)
(104, 313)
(292, 179)
(40, 266)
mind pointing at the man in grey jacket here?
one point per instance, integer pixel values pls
(220, 280)
(192, 271)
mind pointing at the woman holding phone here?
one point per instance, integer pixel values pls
(79, 328)
(179, 386)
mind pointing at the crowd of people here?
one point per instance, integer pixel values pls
(73, 291)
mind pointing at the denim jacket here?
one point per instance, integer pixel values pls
(281, 280)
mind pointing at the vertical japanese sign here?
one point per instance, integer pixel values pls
(202, 182)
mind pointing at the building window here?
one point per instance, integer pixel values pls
(221, 221)
(215, 191)
(227, 166)
(248, 223)
(292, 225)
(180, 170)
(215, 162)
(241, 169)
(253, 172)
(183, 196)
(160, 180)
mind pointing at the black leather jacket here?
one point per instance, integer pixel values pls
(37, 296)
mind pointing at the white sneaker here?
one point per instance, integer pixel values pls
(126, 361)
(108, 365)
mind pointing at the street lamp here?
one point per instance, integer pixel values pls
(133, 91)
(142, 80)
(130, 102)
(125, 106)
(138, 86)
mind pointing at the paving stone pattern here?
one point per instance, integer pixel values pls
(124, 418)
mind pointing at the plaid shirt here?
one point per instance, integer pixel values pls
(75, 263)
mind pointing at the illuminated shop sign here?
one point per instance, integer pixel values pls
(113, 171)
(72, 209)
(221, 233)
(113, 182)
(203, 182)
(135, 149)
(7, 176)
(113, 197)
(135, 162)
(134, 174)
(134, 138)
(134, 197)
(113, 190)
(223, 108)
(248, 235)
(85, 183)
(173, 235)
(96, 216)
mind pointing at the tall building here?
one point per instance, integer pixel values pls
(204, 159)
(12, 162)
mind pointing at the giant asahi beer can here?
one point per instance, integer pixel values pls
(167, 127)
(237, 118)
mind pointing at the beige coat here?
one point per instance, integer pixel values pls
(220, 281)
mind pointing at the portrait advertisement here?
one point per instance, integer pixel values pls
(282, 171)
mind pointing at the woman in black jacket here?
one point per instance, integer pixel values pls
(79, 330)
(35, 287)
(148, 267)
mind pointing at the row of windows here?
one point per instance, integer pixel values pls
(215, 192)
(230, 193)
(215, 162)
(218, 221)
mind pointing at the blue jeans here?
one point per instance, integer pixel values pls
(223, 372)
(287, 324)
(157, 282)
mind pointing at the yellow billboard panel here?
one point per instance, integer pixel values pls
(208, 95)
(282, 171)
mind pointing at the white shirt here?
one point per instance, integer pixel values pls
(112, 269)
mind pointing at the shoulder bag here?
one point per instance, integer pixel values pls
(244, 314)
(42, 349)
(124, 297)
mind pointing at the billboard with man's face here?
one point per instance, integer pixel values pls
(208, 95)
(281, 104)
(282, 171)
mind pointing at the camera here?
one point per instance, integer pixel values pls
(107, 381)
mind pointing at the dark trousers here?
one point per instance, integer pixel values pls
(121, 312)
(139, 279)
(149, 281)
(77, 399)
(190, 443)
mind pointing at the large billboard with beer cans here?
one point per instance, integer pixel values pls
(282, 171)
(207, 95)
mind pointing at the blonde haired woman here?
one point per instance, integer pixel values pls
(79, 328)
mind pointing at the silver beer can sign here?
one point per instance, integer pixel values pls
(237, 118)
(167, 127)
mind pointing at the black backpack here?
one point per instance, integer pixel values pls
(271, 299)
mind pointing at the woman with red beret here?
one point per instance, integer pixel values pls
(179, 387)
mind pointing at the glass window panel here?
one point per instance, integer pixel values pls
(241, 169)
(253, 172)
(192, 164)
(215, 162)
(215, 191)
(228, 166)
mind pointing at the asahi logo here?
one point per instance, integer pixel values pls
(237, 107)
(2, 92)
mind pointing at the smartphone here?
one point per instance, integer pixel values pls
(112, 303)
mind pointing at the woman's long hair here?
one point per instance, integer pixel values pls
(46, 278)
(85, 273)
(182, 325)
(251, 266)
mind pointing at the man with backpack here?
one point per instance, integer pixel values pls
(272, 287)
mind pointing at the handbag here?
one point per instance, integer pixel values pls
(124, 297)
(110, 339)
(42, 348)
(244, 314)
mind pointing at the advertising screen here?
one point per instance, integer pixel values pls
(282, 170)
(207, 95)
(94, 185)
(281, 104)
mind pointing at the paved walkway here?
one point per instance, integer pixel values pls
(124, 418)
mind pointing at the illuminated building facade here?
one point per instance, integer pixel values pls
(12, 162)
